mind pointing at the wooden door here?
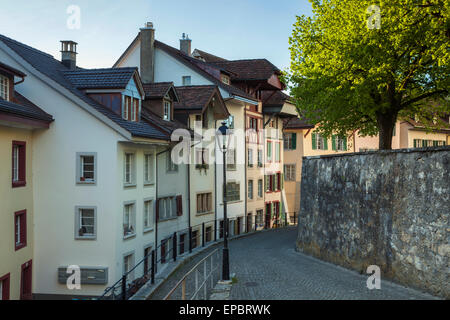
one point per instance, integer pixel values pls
(26, 281)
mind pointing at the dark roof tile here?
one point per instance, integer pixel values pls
(110, 78)
(23, 107)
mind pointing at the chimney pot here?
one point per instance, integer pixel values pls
(147, 62)
(185, 44)
(69, 54)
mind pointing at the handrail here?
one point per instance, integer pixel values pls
(182, 281)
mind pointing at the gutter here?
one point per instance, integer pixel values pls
(244, 99)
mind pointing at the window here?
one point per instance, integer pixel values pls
(4, 287)
(86, 168)
(4, 87)
(195, 235)
(277, 151)
(289, 172)
(260, 217)
(186, 80)
(130, 108)
(129, 170)
(230, 122)
(224, 78)
(171, 166)
(253, 124)
(167, 208)
(201, 158)
(260, 188)
(204, 202)
(149, 162)
(290, 141)
(128, 265)
(85, 223)
(233, 191)
(20, 224)
(18, 164)
(319, 142)
(208, 234)
(167, 107)
(278, 181)
(260, 158)
(231, 159)
(129, 219)
(269, 151)
(148, 215)
(250, 158)
(339, 143)
(250, 189)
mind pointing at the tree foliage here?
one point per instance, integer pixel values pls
(348, 75)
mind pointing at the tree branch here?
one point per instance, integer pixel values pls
(423, 96)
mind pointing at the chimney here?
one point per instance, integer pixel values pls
(69, 54)
(147, 68)
(185, 44)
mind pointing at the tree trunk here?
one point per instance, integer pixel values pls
(386, 122)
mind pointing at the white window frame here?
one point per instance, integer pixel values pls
(167, 208)
(250, 191)
(129, 218)
(167, 105)
(186, 80)
(4, 87)
(79, 167)
(149, 168)
(16, 158)
(129, 171)
(128, 265)
(289, 172)
(148, 215)
(78, 223)
(260, 188)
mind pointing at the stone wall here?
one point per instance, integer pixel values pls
(388, 208)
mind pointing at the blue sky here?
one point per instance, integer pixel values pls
(233, 29)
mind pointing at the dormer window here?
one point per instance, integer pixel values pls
(167, 107)
(224, 78)
(4, 88)
(130, 110)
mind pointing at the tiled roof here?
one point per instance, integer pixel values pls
(194, 64)
(55, 70)
(194, 97)
(249, 69)
(10, 69)
(168, 127)
(110, 78)
(297, 123)
(208, 57)
(274, 99)
(25, 108)
(157, 89)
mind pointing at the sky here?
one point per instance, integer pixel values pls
(232, 29)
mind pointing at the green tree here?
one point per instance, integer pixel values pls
(358, 64)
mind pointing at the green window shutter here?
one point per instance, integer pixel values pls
(294, 141)
(314, 143)
(325, 143)
(345, 143)
(333, 142)
(282, 181)
(424, 143)
(415, 143)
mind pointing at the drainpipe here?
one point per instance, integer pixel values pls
(215, 179)
(245, 167)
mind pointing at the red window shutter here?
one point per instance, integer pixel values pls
(22, 162)
(179, 205)
(5, 286)
(157, 210)
(23, 228)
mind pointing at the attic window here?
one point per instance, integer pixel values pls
(4, 88)
(167, 108)
(186, 80)
(224, 78)
(130, 108)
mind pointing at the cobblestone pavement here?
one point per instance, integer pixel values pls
(268, 267)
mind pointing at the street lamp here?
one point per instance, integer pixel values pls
(223, 136)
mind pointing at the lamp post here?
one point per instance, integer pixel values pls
(223, 139)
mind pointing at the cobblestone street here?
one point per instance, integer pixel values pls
(267, 267)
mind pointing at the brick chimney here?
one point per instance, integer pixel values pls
(69, 54)
(147, 68)
(185, 44)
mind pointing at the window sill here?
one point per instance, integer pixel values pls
(203, 213)
(86, 182)
(147, 230)
(129, 236)
(232, 202)
(17, 184)
(148, 183)
(19, 246)
(86, 238)
(129, 185)
(231, 169)
(168, 219)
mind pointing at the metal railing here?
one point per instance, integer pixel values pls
(183, 242)
(204, 273)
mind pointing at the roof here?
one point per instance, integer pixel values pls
(248, 69)
(194, 97)
(159, 90)
(442, 124)
(207, 57)
(192, 63)
(110, 78)
(168, 127)
(11, 70)
(297, 123)
(56, 71)
(24, 108)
